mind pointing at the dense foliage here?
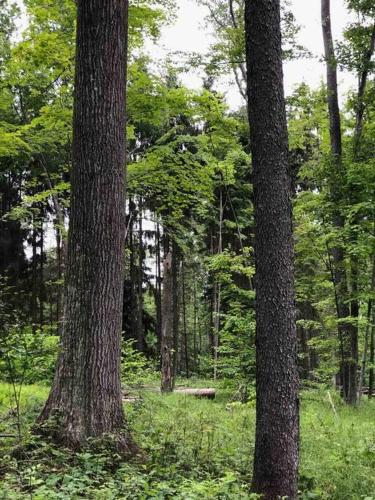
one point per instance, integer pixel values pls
(189, 192)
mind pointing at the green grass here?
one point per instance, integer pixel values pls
(196, 449)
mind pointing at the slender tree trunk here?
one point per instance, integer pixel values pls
(86, 393)
(277, 409)
(371, 378)
(132, 273)
(34, 276)
(41, 279)
(184, 323)
(61, 251)
(371, 325)
(360, 110)
(140, 336)
(158, 289)
(59, 277)
(217, 289)
(167, 341)
(367, 335)
(360, 107)
(195, 325)
(304, 348)
(175, 308)
(348, 333)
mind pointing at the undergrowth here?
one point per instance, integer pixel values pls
(196, 448)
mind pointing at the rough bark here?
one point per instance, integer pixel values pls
(85, 399)
(277, 411)
(167, 340)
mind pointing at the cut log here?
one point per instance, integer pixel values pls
(199, 393)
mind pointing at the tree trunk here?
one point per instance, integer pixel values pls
(86, 393)
(360, 110)
(371, 317)
(217, 289)
(360, 106)
(371, 378)
(175, 308)
(367, 334)
(133, 304)
(303, 336)
(277, 409)
(140, 335)
(41, 278)
(158, 288)
(195, 325)
(184, 322)
(59, 224)
(34, 275)
(348, 333)
(167, 374)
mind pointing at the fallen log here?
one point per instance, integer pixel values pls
(199, 393)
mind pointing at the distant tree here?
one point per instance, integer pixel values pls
(86, 394)
(167, 354)
(347, 330)
(277, 409)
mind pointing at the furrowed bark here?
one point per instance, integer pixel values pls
(277, 411)
(85, 399)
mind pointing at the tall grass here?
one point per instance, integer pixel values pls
(197, 449)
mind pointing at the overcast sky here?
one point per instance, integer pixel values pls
(189, 34)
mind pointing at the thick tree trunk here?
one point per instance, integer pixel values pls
(277, 410)
(167, 340)
(86, 394)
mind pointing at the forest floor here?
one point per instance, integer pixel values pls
(197, 449)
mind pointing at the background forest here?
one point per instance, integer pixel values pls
(189, 203)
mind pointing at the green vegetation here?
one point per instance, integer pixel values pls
(195, 448)
(189, 308)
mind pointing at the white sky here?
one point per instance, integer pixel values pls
(189, 34)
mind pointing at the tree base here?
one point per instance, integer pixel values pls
(119, 442)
